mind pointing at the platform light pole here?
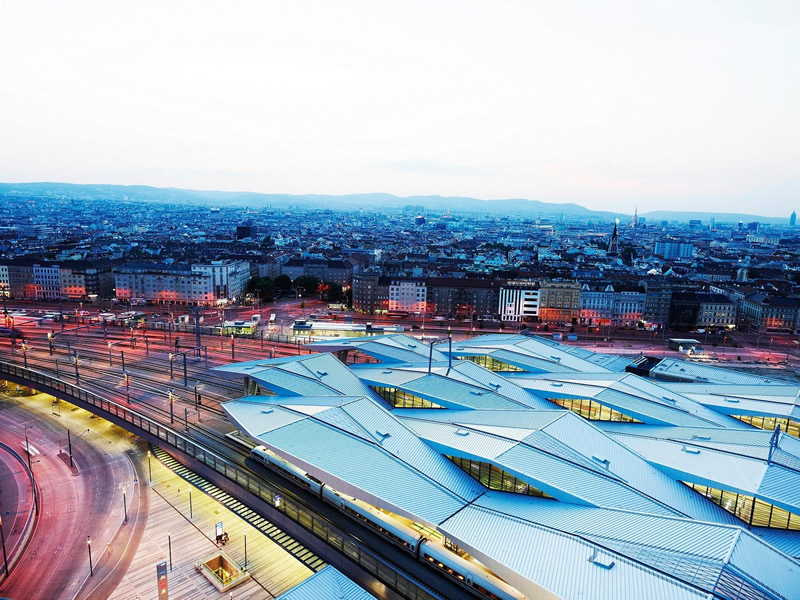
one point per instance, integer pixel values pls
(125, 502)
(50, 341)
(89, 546)
(169, 545)
(171, 358)
(244, 532)
(149, 467)
(24, 348)
(171, 397)
(3, 539)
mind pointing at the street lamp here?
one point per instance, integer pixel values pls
(125, 502)
(171, 358)
(3, 539)
(244, 532)
(149, 467)
(77, 363)
(169, 544)
(127, 388)
(50, 341)
(89, 546)
(25, 354)
(171, 397)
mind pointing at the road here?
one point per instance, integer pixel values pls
(72, 504)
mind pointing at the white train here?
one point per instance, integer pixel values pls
(430, 551)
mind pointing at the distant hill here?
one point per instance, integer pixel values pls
(513, 206)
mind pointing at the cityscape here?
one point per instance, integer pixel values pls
(555, 354)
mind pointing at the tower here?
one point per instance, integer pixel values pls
(613, 245)
(635, 221)
(793, 219)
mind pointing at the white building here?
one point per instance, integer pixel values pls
(672, 249)
(408, 295)
(47, 280)
(519, 301)
(204, 283)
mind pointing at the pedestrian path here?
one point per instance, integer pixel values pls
(186, 529)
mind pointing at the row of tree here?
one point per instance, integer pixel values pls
(267, 288)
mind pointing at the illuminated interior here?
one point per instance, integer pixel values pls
(401, 399)
(593, 410)
(492, 363)
(495, 478)
(787, 425)
(750, 510)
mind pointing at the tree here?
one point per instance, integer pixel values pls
(335, 292)
(266, 242)
(263, 287)
(283, 283)
(306, 284)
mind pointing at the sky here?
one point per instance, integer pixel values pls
(684, 105)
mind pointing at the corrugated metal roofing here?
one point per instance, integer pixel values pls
(327, 584)
(672, 369)
(559, 563)
(397, 348)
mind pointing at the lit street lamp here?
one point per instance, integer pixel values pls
(244, 532)
(25, 354)
(89, 546)
(171, 397)
(169, 544)
(125, 502)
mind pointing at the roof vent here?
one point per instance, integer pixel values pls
(412, 346)
(603, 461)
(496, 386)
(387, 372)
(556, 383)
(690, 450)
(670, 400)
(462, 432)
(556, 357)
(321, 373)
(601, 561)
(706, 438)
(382, 435)
(267, 411)
(476, 393)
(733, 400)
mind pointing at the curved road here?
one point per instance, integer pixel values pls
(73, 503)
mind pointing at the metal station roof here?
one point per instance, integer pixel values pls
(462, 385)
(627, 393)
(536, 354)
(708, 557)
(621, 526)
(398, 348)
(359, 448)
(751, 467)
(327, 584)
(307, 375)
(774, 399)
(564, 456)
(672, 369)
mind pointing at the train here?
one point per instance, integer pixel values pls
(421, 548)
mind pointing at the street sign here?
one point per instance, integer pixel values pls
(161, 574)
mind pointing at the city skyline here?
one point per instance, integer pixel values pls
(676, 107)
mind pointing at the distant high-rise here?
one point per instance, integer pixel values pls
(635, 221)
(613, 245)
(793, 219)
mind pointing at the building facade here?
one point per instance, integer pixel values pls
(408, 295)
(519, 301)
(559, 302)
(671, 249)
(206, 283)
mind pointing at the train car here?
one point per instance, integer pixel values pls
(422, 548)
(398, 533)
(267, 457)
(466, 573)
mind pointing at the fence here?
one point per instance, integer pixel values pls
(335, 537)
